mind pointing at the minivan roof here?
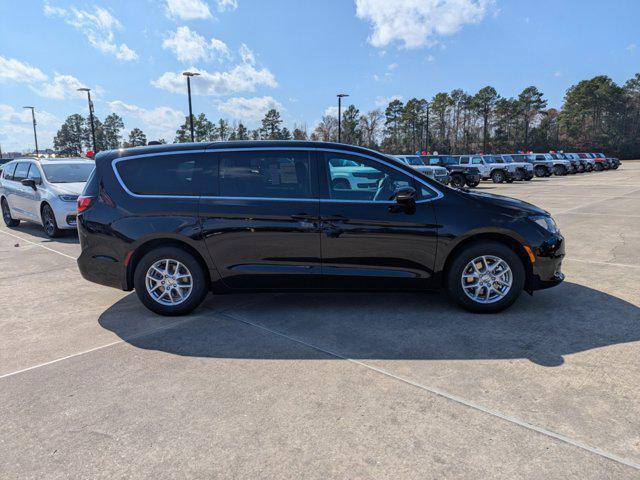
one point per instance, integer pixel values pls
(173, 147)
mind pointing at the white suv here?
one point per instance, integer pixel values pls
(44, 191)
(490, 168)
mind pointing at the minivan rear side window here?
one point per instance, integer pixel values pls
(266, 174)
(185, 174)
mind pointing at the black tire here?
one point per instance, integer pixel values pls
(457, 180)
(598, 167)
(49, 222)
(498, 176)
(9, 221)
(559, 170)
(519, 175)
(540, 171)
(528, 177)
(455, 272)
(472, 184)
(589, 167)
(199, 281)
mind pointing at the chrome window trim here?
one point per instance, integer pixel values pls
(114, 163)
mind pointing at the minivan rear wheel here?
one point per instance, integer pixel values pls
(170, 281)
(485, 277)
(9, 221)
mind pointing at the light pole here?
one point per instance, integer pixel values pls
(189, 75)
(340, 97)
(93, 128)
(427, 137)
(33, 117)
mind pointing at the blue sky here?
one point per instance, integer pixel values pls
(292, 54)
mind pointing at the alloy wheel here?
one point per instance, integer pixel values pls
(486, 279)
(169, 282)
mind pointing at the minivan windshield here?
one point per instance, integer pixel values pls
(67, 172)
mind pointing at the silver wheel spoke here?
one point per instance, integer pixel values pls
(487, 279)
(169, 282)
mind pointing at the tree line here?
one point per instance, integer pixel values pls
(597, 115)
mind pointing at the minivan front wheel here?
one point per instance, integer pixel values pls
(486, 277)
(49, 222)
(170, 281)
(9, 221)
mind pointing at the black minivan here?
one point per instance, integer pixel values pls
(176, 221)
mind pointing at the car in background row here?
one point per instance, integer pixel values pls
(44, 191)
(576, 166)
(416, 162)
(176, 221)
(586, 164)
(489, 168)
(460, 175)
(541, 166)
(611, 162)
(524, 170)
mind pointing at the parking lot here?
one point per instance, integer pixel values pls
(332, 385)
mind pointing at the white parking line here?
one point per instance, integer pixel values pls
(38, 245)
(453, 398)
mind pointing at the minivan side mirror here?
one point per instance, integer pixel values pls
(27, 182)
(405, 195)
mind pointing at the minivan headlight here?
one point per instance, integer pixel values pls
(546, 222)
(68, 198)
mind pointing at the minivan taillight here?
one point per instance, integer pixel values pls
(84, 203)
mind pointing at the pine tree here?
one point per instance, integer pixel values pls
(271, 125)
(70, 137)
(137, 138)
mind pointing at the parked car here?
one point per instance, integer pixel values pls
(541, 166)
(610, 163)
(489, 168)
(416, 162)
(591, 163)
(560, 167)
(600, 164)
(586, 164)
(176, 221)
(524, 170)
(43, 191)
(576, 165)
(460, 175)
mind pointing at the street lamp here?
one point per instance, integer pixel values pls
(33, 117)
(93, 128)
(340, 97)
(189, 75)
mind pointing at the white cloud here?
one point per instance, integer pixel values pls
(632, 47)
(241, 78)
(97, 26)
(188, 9)
(16, 130)
(384, 101)
(557, 74)
(248, 109)
(189, 46)
(392, 66)
(60, 88)
(160, 122)
(418, 23)
(331, 111)
(430, 58)
(247, 55)
(227, 5)
(18, 71)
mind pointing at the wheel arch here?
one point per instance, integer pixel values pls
(498, 237)
(154, 243)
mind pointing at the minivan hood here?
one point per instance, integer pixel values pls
(507, 202)
(69, 188)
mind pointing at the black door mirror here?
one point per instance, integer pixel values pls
(27, 182)
(405, 196)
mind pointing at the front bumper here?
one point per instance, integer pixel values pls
(547, 269)
(65, 213)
